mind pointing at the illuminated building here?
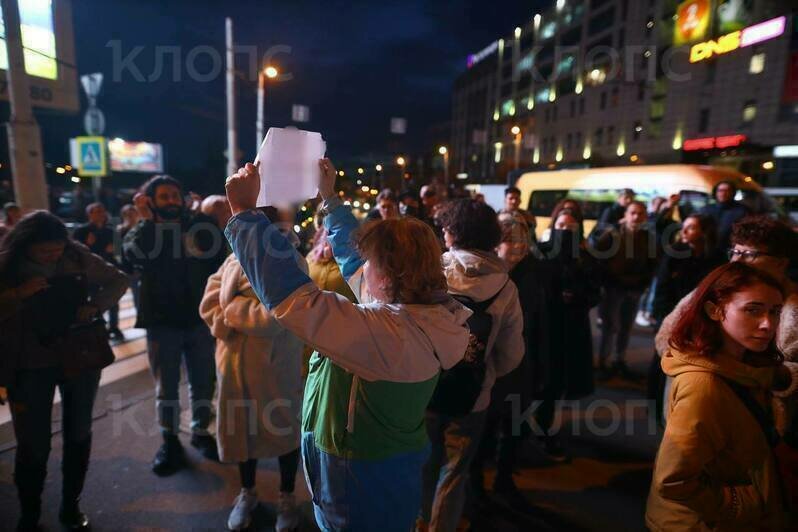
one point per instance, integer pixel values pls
(693, 81)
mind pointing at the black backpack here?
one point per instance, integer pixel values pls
(459, 386)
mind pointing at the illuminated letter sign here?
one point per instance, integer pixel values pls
(749, 36)
(709, 143)
(692, 21)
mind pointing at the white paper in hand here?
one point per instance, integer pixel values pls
(289, 166)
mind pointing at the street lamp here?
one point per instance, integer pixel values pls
(271, 73)
(378, 168)
(516, 131)
(401, 161)
(445, 152)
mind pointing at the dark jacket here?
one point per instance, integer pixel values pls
(628, 259)
(21, 347)
(725, 216)
(678, 274)
(175, 261)
(103, 238)
(576, 289)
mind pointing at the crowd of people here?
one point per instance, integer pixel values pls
(393, 357)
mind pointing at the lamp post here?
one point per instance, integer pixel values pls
(516, 131)
(445, 152)
(271, 73)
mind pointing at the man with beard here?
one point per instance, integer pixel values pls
(175, 251)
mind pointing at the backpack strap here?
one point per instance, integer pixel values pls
(763, 418)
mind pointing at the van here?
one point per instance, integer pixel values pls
(597, 188)
(785, 203)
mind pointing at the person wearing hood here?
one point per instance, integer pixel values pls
(715, 468)
(376, 363)
(473, 270)
(767, 245)
(726, 211)
(175, 252)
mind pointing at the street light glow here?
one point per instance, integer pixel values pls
(60, 170)
(400, 161)
(515, 130)
(442, 150)
(378, 168)
(768, 165)
(271, 72)
(341, 173)
(360, 171)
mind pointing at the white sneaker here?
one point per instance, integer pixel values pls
(287, 514)
(241, 516)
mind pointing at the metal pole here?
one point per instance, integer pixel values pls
(517, 143)
(232, 137)
(259, 119)
(446, 169)
(24, 136)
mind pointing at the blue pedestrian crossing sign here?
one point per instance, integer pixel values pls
(91, 154)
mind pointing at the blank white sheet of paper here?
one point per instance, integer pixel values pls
(289, 166)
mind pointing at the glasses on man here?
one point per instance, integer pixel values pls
(747, 255)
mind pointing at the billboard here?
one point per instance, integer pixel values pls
(732, 15)
(127, 156)
(692, 21)
(49, 53)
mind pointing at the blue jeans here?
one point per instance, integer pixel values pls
(445, 476)
(352, 494)
(167, 347)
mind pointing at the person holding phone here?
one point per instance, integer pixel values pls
(175, 251)
(39, 266)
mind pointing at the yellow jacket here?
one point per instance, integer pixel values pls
(714, 451)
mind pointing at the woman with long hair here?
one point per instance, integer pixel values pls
(376, 363)
(48, 286)
(715, 468)
(684, 264)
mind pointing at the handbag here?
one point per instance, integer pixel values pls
(85, 347)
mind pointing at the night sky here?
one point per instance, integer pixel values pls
(355, 63)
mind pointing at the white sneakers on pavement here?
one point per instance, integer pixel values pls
(241, 515)
(287, 514)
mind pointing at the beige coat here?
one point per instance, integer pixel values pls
(258, 368)
(712, 450)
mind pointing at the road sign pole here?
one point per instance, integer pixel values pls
(24, 137)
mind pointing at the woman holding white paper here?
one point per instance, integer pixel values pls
(377, 362)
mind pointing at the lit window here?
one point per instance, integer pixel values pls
(757, 64)
(749, 111)
(597, 76)
(548, 30)
(542, 95)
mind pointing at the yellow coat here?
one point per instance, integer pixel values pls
(712, 450)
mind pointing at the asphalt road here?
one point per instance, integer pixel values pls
(610, 438)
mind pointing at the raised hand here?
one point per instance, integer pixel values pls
(327, 179)
(143, 205)
(243, 188)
